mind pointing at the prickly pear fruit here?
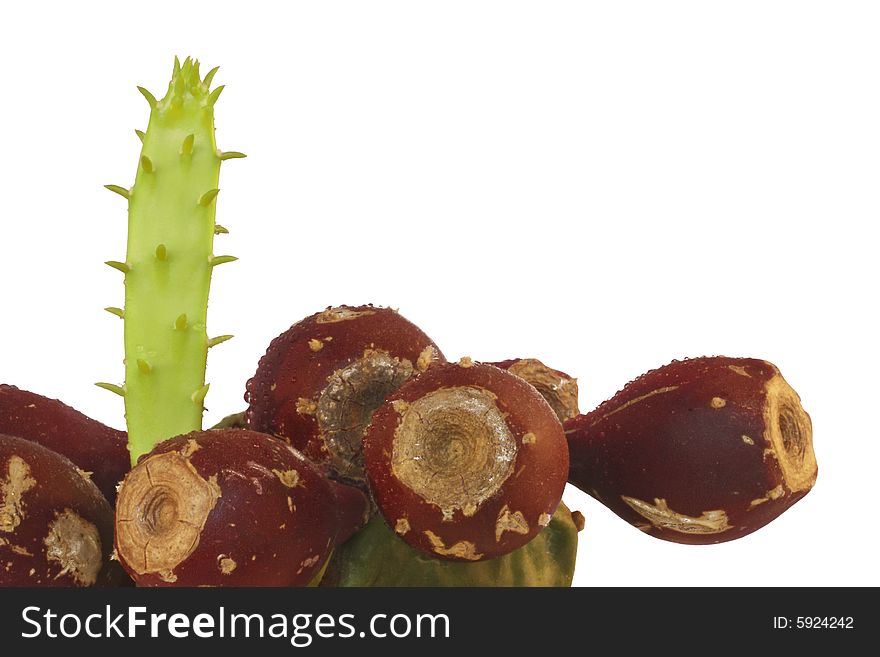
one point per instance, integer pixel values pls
(56, 529)
(230, 507)
(320, 381)
(93, 447)
(698, 451)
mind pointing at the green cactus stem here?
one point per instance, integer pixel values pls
(375, 556)
(169, 262)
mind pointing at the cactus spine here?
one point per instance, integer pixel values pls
(169, 261)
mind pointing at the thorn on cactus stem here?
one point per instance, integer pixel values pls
(206, 198)
(213, 342)
(119, 266)
(144, 366)
(220, 230)
(219, 260)
(199, 395)
(146, 164)
(161, 253)
(212, 99)
(186, 148)
(122, 191)
(209, 77)
(116, 311)
(112, 387)
(180, 322)
(176, 70)
(141, 134)
(231, 155)
(151, 99)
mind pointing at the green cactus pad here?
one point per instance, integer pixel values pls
(169, 262)
(375, 556)
(234, 421)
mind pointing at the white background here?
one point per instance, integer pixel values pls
(606, 186)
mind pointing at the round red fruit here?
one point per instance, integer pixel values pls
(320, 381)
(466, 462)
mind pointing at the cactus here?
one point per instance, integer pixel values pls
(376, 556)
(169, 261)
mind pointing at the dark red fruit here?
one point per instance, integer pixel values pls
(320, 381)
(94, 447)
(558, 388)
(230, 507)
(466, 462)
(699, 451)
(56, 529)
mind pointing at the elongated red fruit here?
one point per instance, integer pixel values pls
(466, 462)
(320, 381)
(56, 529)
(92, 446)
(230, 507)
(699, 451)
(558, 388)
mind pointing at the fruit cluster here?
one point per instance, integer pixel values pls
(364, 456)
(456, 468)
(350, 410)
